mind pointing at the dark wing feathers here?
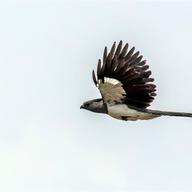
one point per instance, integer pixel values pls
(132, 72)
(94, 77)
(128, 56)
(118, 50)
(113, 49)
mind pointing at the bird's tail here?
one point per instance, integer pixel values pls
(170, 113)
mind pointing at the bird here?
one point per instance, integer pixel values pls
(126, 86)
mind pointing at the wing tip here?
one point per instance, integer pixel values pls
(94, 78)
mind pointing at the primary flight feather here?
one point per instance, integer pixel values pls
(127, 89)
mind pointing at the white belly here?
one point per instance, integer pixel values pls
(122, 111)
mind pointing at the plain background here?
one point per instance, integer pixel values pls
(47, 52)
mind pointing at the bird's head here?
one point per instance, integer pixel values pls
(95, 105)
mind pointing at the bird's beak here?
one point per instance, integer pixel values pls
(81, 107)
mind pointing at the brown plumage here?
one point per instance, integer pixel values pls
(131, 71)
(126, 86)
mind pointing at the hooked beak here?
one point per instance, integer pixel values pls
(81, 107)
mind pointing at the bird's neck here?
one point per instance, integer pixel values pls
(101, 108)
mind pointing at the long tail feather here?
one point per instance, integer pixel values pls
(170, 113)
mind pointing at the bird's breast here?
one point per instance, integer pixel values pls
(123, 112)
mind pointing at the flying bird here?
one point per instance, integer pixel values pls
(127, 89)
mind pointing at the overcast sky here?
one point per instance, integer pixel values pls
(47, 52)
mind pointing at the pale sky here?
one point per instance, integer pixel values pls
(47, 52)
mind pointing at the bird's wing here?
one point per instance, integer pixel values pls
(124, 77)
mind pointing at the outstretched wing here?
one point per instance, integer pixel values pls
(124, 77)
